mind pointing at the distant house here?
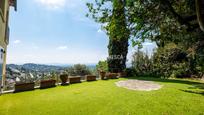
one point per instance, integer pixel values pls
(4, 35)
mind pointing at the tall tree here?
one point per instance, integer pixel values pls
(112, 14)
(165, 21)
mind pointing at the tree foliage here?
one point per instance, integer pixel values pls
(78, 69)
(142, 63)
(171, 61)
(161, 21)
(102, 66)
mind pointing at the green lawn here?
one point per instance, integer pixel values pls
(176, 97)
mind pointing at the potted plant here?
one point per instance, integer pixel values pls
(102, 68)
(64, 78)
(102, 75)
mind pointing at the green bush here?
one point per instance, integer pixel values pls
(78, 69)
(171, 61)
(142, 63)
(130, 72)
(167, 61)
(102, 66)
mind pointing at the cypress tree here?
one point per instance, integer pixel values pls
(118, 38)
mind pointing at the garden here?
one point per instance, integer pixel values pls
(167, 81)
(104, 97)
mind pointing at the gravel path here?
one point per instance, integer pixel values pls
(139, 85)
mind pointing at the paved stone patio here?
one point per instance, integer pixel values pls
(139, 85)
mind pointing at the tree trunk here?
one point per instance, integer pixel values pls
(200, 13)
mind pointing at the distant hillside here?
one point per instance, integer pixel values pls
(42, 67)
(36, 67)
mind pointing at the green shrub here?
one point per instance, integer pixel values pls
(78, 69)
(102, 66)
(167, 61)
(142, 63)
(171, 61)
(130, 72)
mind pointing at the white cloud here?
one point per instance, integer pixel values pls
(52, 4)
(62, 47)
(17, 42)
(35, 47)
(60, 4)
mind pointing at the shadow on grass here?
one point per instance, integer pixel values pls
(196, 87)
(194, 92)
(188, 82)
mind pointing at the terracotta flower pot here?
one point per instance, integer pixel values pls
(102, 75)
(64, 78)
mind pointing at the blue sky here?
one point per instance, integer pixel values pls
(57, 32)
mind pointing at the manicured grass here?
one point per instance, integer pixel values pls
(176, 97)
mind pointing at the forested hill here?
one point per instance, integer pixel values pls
(42, 67)
(36, 67)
